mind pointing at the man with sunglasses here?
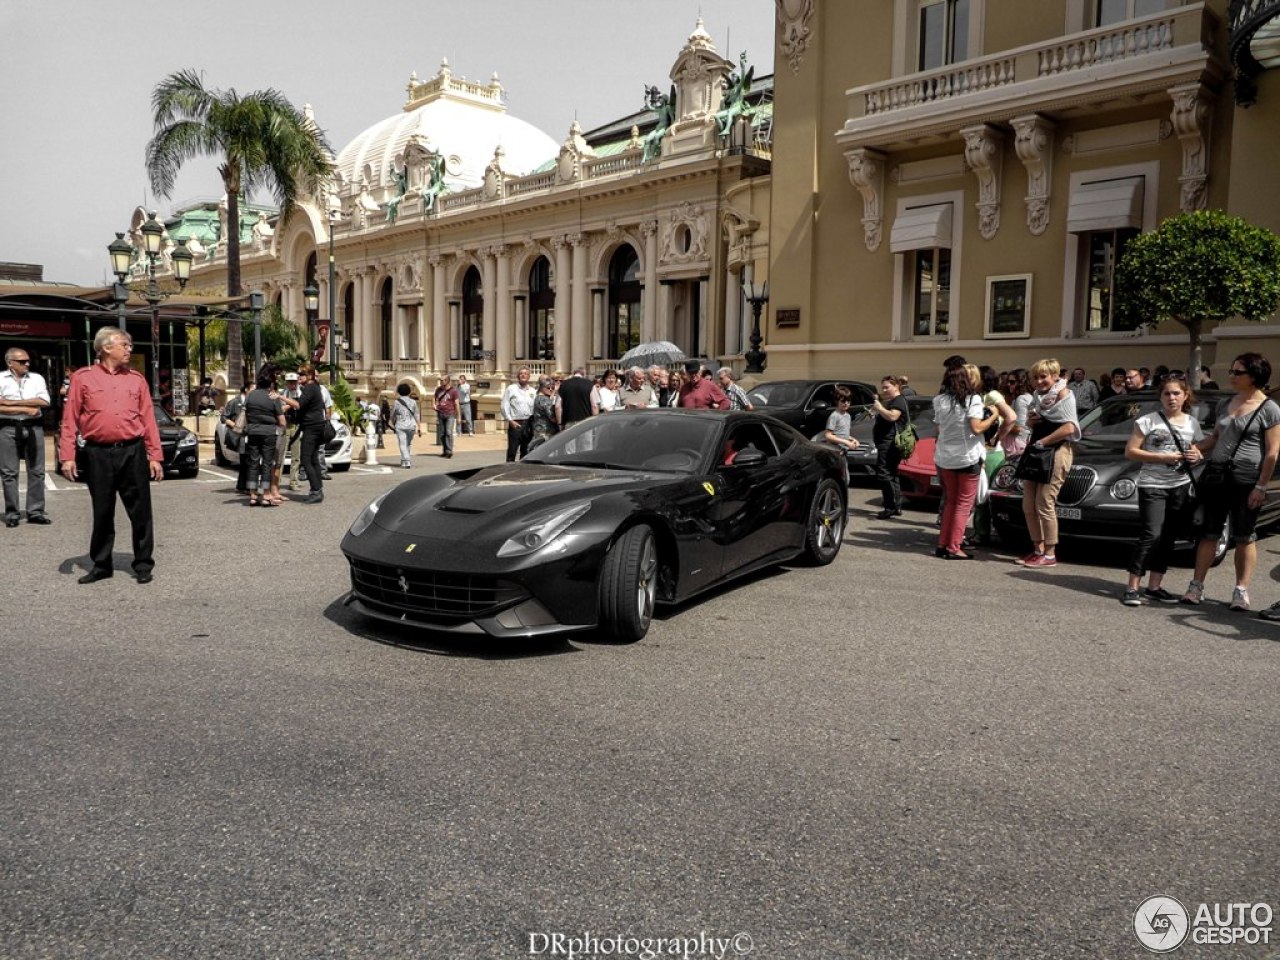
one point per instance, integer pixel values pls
(23, 398)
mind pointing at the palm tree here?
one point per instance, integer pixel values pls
(262, 141)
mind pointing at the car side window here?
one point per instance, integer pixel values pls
(783, 437)
(861, 395)
(748, 435)
(824, 394)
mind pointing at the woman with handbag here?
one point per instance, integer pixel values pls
(957, 454)
(892, 417)
(264, 416)
(1242, 452)
(1047, 459)
(1163, 442)
(407, 420)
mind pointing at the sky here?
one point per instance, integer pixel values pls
(76, 78)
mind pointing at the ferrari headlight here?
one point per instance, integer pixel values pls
(1124, 489)
(188, 440)
(366, 516)
(542, 531)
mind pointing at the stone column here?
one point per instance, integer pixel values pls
(504, 321)
(664, 313)
(522, 327)
(649, 320)
(580, 325)
(599, 346)
(732, 313)
(564, 304)
(489, 318)
(440, 348)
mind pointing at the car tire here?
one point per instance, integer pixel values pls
(1011, 536)
(189, 473)
(629, 585)
(340, 467)
(825, 530)
(219, 457)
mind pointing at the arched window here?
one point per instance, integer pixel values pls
(385, 307)
(624, 302)
(542, 312)
(472, 316)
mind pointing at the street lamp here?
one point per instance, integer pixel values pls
(121, 252)
(311, 303)
(257, 300)
(333, 302)
(758, 295)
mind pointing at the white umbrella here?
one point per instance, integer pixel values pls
(662, 352)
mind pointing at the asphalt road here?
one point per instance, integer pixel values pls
(891, 757)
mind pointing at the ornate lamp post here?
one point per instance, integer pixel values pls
(758, 295)
(121, 253)
(311, 303)
(334, 332)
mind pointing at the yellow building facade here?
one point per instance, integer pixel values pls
(960, 176)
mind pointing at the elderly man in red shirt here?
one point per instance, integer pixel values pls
(110, 406)
(700, 392)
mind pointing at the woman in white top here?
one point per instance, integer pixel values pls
(1163, 443)
(604, 398)
(957, 454)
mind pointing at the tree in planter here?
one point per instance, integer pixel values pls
(1199, 269)
(261, 140)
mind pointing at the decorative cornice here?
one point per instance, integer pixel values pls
(1033, 142)
(648, 228)
(1192, 110)
(794, 17)
(866, 172)
(984, 153)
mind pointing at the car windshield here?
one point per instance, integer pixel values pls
(632, 441)
(1115, 417)
(162, 417)
(778, 394)
(920, 408)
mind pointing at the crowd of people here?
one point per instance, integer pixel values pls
(983, 417)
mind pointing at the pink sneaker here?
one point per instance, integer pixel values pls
(1041, 560)
(1023, 561)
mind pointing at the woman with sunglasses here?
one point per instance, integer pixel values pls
(1242, 453)
(1163, 441)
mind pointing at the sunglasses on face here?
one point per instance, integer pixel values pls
(1233, 372)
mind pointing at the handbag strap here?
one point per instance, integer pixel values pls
(1177, 440)
(1245, 432)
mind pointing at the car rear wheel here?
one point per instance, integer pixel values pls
(825, 532)
(628, 585)
(219, 457)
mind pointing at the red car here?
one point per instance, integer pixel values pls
(918, 476)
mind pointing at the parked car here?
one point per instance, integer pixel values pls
(597, 525)
(337, 452)
(806, 404)
(862, 461)
(179, 447)
(1099, 500)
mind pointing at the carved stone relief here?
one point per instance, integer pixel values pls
(685, 237)
(794, 17)
(1192, 108)
(1033, 142)
(984, 153)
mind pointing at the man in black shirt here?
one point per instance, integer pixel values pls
(575, 398)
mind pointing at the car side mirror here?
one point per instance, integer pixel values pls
(821, 405)
(749, 457)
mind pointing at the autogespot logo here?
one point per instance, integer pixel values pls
(1161, 924)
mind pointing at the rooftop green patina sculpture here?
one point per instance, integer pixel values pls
(735, 103)
(665, 107)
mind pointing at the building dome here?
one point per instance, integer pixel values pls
(463, 120)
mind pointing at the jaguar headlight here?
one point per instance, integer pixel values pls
(1124, 489)
(544, 530)
(188, 440)
(1004, 478)
(366, 516)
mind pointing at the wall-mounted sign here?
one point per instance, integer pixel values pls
(787, 317)
(34, 328)
(1009, 306)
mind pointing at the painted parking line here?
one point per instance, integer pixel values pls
(379, 469)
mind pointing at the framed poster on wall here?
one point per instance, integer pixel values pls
(1009, 306)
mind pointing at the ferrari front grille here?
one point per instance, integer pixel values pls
(436, 593)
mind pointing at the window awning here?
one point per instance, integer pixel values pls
(1106, 205)
(922, 228)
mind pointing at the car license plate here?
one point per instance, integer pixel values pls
(1068, 513)
(934, 482)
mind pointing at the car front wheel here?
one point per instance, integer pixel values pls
(628, 585)
(219, 457)
(825, 532)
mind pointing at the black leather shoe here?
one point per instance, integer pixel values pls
(956, 556)
(10, 521)
(145, 576)
(888, 514)
(940, 553)
(93, 576)
(314, 498)
(42, 520)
